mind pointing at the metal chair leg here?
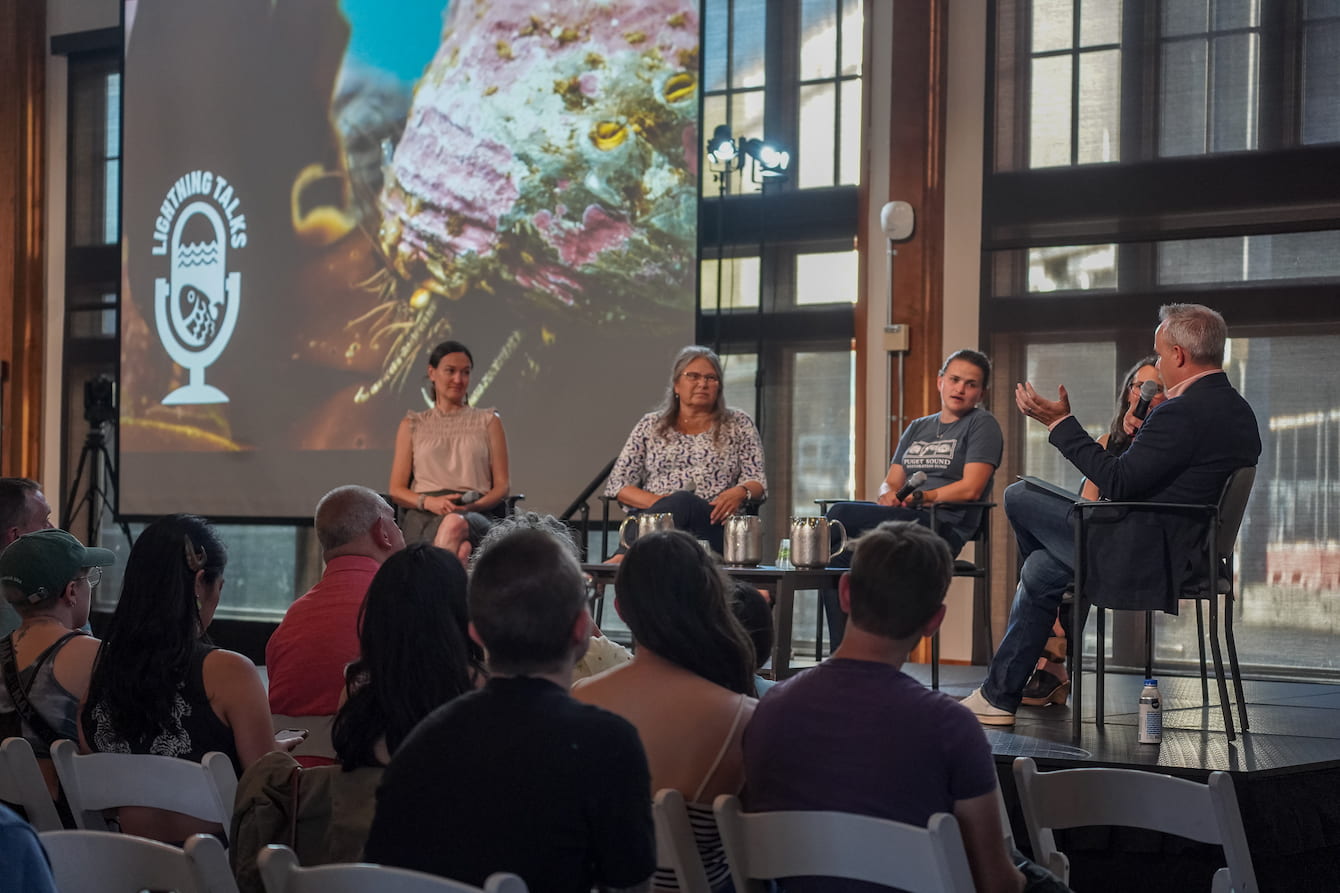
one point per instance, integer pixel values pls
(935, 660)
(1219, 668)
(1200, 642)
(1233, 659)
(1100, 664)
(1075, 661)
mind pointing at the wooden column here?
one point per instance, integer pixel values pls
(22, 240)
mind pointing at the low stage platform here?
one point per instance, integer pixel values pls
(1285, 768)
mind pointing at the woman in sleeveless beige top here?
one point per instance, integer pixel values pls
(447, 454)
(688, 689)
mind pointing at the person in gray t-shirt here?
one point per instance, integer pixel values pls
(957, 448)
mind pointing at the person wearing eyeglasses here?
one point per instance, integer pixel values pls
(1050, 683)
(48, 576)
(693, 457)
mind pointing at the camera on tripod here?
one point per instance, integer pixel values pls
(100, 401)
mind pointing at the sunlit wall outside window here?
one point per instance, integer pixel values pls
(1075, 83)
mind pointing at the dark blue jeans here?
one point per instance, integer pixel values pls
(1046, 535)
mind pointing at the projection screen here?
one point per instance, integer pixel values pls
(317, 192)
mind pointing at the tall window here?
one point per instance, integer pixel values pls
(779, 304)
(1216, 185)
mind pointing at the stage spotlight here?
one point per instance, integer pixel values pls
(771, 158)
(721, 148)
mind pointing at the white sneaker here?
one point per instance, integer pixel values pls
(987, 714)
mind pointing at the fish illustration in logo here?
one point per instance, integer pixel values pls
(196, 307)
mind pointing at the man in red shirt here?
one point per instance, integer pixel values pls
(318, 637)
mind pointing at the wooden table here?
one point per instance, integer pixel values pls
(782, 583)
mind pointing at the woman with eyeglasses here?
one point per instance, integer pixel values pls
(692, 457)
(1050, 683)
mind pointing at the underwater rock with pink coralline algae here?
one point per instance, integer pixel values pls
(551, 151)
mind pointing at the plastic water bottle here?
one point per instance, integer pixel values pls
(1151, 713)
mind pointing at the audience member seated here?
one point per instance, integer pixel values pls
(23, 863)
(23, 509)
(689, 687)
(693, 457)
(159, 686)
(48, 576)
(318, 637)
(517, 776)
(754, 612)
(856, 734)
(602, 652)
(958, 449)
(416, 656)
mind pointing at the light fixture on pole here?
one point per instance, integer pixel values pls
(725, 160)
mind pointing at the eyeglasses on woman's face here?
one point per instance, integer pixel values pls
(694, 377)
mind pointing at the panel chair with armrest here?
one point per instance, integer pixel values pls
(978, 569)
(22, 782)
(1073, 798)
(1222, 522)
(767, 845)
(97, 781)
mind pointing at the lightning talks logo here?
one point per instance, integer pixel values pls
(196, 306)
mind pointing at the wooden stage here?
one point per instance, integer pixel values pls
(1286, 769)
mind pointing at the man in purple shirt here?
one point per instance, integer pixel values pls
(856, 734)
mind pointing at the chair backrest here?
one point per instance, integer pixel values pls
(281, 874)
(1072, 798)
(97, 781)
(767, 845)
(1232, 506)
(22, 782)
(103, 862)
(676, 846)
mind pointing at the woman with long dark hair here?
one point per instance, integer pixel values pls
(689, 688)
(415, 654)
(159, 686)
(1050, 683)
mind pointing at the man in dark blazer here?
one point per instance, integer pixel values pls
(1183, 452)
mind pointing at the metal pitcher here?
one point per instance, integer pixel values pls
(810, 539)
(646, 522)
(744, 540)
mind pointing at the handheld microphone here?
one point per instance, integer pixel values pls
(1147, 392)
(913, 484)
(469, 496)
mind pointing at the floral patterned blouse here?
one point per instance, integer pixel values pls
(664, 462)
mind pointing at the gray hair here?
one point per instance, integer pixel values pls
(1197, 329)
(347, 513)
(669, 410)
(561, 533)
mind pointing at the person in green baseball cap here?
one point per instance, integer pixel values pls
(48, 576)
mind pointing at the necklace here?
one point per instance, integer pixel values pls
(940, 430)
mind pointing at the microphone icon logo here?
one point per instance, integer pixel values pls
(196, 306)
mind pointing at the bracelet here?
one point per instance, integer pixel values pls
(747, 493)
(422, 497)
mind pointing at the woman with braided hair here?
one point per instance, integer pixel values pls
(159, 685)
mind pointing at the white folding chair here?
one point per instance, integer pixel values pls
(97, 781)
(103, 862)
(676, 847)
(280, 874)
(1071, 798)
(22, 782)
(767, 845)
